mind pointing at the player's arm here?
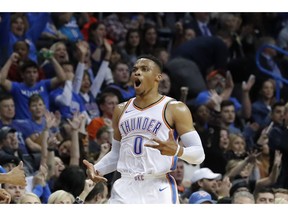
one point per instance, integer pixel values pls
(192, 150)
(109, 162)
(115, 120)
(178, 115)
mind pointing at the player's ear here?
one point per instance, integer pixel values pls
(159, 77)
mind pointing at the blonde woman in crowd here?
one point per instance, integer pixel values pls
(61, 197)
(236, 148)
(29, 198)
(59, 50)
(281, 195)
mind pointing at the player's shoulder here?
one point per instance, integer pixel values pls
(174, 103)
(176, 106)
(122, 106)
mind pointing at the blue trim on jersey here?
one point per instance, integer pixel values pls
(175, 134)
(175, 159)
(173, 188)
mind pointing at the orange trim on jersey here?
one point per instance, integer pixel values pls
(127, 104)
(151, 105)
(163, 114)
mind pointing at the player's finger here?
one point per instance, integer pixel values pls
(156, 140)
(171, 136)
(151, 145)
(98, 178)
(102, 179)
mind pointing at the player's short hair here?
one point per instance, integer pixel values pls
(154, 59)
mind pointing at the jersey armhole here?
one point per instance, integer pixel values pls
(164, 115)
(125, 107)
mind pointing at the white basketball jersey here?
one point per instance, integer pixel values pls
(138, 127)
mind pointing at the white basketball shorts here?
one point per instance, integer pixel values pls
(144, 189)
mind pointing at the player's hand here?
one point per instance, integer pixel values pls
(167, 147)
(92, 174)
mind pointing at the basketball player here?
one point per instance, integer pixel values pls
(144, 150)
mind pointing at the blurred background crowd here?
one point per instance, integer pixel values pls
(62, 74)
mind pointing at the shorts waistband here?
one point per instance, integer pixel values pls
(142, 177)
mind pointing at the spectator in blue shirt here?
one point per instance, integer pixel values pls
(68, 26)
(64, 99)
(7, 114)
(22, 91)
(16, 27)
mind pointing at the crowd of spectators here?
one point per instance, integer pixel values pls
(62, 74)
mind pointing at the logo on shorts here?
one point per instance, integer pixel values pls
(161, 189)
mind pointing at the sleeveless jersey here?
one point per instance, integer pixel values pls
(138, 127)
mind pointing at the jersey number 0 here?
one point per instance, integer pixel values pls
(138, 145)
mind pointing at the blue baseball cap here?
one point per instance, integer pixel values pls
(199, 197)
(202, 98)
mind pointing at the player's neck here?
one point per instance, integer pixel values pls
(144, 101)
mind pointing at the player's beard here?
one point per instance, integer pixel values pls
(140, 92)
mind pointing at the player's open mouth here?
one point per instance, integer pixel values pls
(137, 83)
